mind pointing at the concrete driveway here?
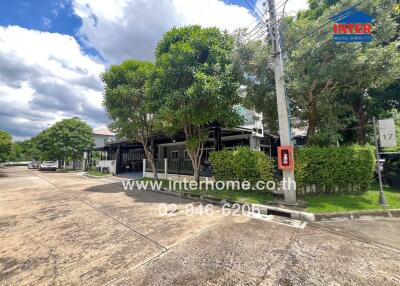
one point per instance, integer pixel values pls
(66, 229)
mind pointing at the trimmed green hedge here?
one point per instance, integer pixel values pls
(334, 169)
(242, 164)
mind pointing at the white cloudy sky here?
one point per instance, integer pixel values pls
(47, 75)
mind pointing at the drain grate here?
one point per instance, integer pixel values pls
(279, 220)
(278, 213)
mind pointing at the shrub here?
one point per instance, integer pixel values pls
(242, 164)
(334, 169)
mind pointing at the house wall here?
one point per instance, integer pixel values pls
(165, 150)
(100, 139)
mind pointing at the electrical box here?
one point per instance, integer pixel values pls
(285, 158)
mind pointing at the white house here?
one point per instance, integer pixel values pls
(102, 136)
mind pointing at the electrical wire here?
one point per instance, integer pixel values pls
(254, 11)
(320, 27)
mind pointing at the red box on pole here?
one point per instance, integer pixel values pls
(285, 158)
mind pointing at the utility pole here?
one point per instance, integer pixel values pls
(382, 199)
(284, 130)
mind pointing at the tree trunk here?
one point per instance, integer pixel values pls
(154, 169)
(195, 151)
(312, 111)
(312, 119)
(361, 124)
(359, 112)
(150, 157)
(196, 169)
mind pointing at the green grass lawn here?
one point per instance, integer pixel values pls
(315, 204)
(97, 173)
(365, 201)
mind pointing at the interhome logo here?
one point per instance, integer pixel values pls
(352, 25)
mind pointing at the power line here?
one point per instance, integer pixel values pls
(252, 9)
(255, 6)
(322, 26)
(258, 30)
(283, 3)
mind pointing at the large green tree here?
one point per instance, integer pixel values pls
(195, 84)
(25, 150)
(253, 63)
(326, 79)
(129, 105)
(5, 145)
(332, 87)
(65, 140)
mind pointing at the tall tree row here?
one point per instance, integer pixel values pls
(65, 140)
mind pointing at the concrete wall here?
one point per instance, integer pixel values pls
(175, 177)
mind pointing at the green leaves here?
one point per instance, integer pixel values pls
(5, 145)
(127, 98)
(65, 140)
(194, 84)
(252, 61)
(334, 169)
(356, 70)
(195, 73)
(242, 164)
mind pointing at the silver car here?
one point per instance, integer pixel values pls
(33, 164)
(48, 166)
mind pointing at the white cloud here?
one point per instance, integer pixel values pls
(132, 28)
(291, 6)
(209, 13)
(44, 77)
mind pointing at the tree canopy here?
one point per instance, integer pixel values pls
(65, 140)
(129, 104)
(195, 84)
(25, 150)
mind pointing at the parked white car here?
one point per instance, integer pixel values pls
(48, 166)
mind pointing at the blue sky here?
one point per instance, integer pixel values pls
(45, 15)
(53, 16)
(53, 52)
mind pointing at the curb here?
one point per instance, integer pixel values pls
(357, 215)
(97, 177)
(264, 209)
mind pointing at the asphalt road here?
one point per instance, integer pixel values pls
(66, 229)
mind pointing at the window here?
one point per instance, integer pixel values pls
(186, 155)
(174, 155)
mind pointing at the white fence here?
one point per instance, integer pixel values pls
(109, 165)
